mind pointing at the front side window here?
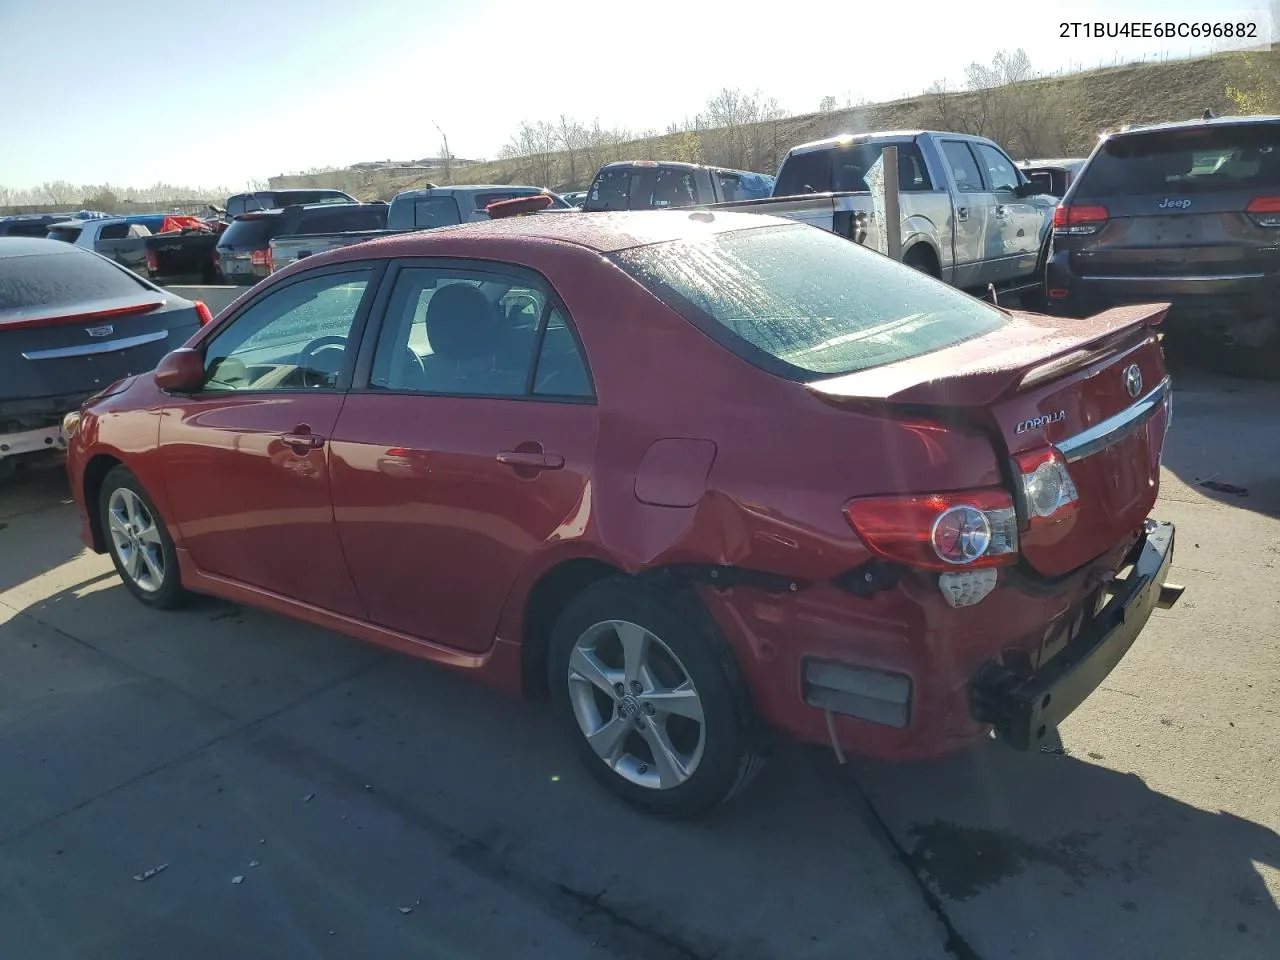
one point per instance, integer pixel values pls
(460, 332)
(805, 303)
(296, 337)
(1001, 173)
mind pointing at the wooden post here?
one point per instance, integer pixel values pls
(892, 206)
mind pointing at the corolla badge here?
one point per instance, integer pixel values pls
(1168, 203)
(1036, 423)
(1133, 380)
(105, 330)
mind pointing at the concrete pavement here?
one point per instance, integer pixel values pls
(378, 805)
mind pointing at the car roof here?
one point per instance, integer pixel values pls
(35, 246)
(859, 137)
(601, 232)
(466, 187)
(1194, 124)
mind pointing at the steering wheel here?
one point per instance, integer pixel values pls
(325, 373)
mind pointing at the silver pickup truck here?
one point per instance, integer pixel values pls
(969, 215)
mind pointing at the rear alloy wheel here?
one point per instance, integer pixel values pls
(139, 543)
(654, 710)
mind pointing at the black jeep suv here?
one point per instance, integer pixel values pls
(1184, 213)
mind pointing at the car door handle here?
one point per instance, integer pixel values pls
(531, 458)
(962, 213)
(1001, 211)
(303, 439)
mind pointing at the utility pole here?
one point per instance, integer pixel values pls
(447, 158)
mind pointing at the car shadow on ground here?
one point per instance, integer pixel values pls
(1041, 855)
(1224, 443)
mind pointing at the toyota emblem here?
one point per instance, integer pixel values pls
(1133, 380)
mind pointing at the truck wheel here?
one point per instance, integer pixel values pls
(139, 542)
(919, 258)
(1037, 300)
(650, 698)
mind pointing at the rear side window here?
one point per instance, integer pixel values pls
(610, 191)
(1196, 160)
(61, 279)
(343, 221)
(251, 232)
(235, 207)
(805, 303)
(964, 168)
(673, 187)
(804, 173)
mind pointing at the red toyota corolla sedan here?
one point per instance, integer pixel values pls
(702, 476)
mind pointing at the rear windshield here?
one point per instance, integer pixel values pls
(845, 168)
(66, 234)
(61, 279)
(736, 185)
(371, 217)
(1196, 160)
(251, 232)
(25, 228)
(435, 212)
(800, 302)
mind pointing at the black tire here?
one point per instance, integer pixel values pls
(1037, 300)
(169, 593)
(918, 258)
(730, 756)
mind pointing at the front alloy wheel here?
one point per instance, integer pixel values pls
(139, 543)
(136, 539)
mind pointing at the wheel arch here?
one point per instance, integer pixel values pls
(95, 473)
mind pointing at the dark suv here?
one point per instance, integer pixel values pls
(1184, 213)
(244, 249)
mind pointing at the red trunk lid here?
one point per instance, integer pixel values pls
(1095, 389)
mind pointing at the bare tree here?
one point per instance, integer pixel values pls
(58, 192)
(828, 104)
(446, 158)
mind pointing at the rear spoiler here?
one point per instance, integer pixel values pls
(1032, 349)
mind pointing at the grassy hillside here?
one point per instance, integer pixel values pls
(1060, 116)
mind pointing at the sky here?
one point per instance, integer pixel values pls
(215, 94)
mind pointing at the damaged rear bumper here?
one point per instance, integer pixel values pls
(1024, 708)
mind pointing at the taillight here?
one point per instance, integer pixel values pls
(153, 263)
(203, 312)
(1078, 221)
(261, 258)
(1265, 211)
(940, 531)
(1047, 488)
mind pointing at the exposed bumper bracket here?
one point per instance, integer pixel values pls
(1023, 709)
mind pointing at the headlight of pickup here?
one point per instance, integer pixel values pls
(71, 423)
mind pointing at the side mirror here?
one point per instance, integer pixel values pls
(181, 371)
